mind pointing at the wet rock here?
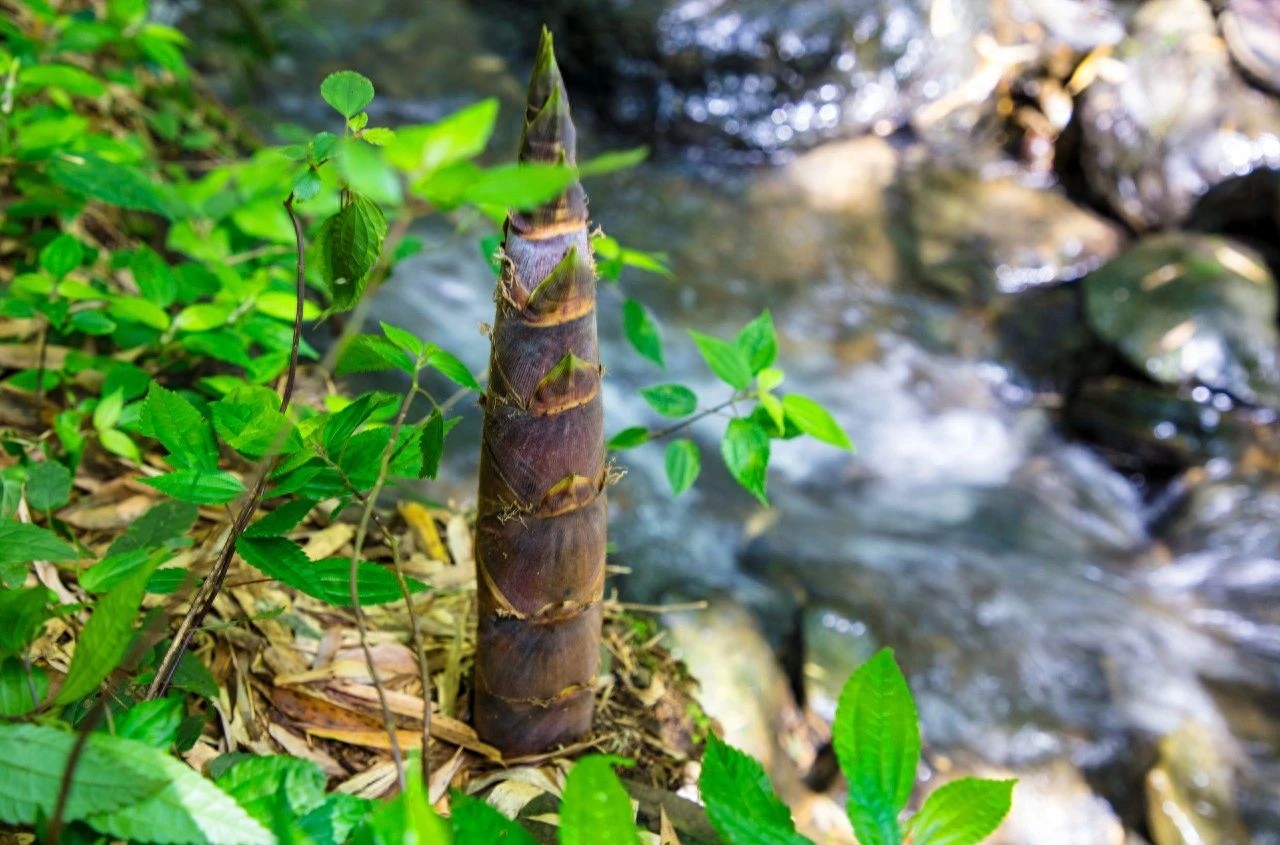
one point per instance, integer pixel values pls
(1170, 118)
(1153, 430)
(1042, 332)
(1188, 308)
(835, 644)
(1189, 792)
(1052, 805)
(1252, 32)
(977, 236)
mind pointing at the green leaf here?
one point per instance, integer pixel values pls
(284, 306)
(671, 400)
(21, 542)
(409, 819)
(815, 420)
(113, 569)
(182, 430)
(877, 736)
(741, 803)
(745, 449)
(187, 808)
(379, 136)
(198, 486)
(875, 821)
(71, 79)
(257, 783)
(154, 277)
(21, 692)
(24, 613)
(758, 342)
(346, 248)
(364, 168)
(154, 723)
(432, 445)
(106, 636)
(92, 322)
(366, 353)
(327, 580)
(460, 136)
(203, 316)
(403, 339)
(108, 411)
(282, 520)
(61, 255)
(726, 360)
(35, 756)
(347, 91)
(453, 369)
(629, 438)
(306, 184)
(519, 186)
(193, 676)
(48, 485)
(611, 161)
(141, 311)
(683, 463)
(595, 807)
(253, 428)
(165, 523)
(475, 821)
(117, 442)
(332, 822)
(963, 812)
(116, 184)
(642, 331)
(339, 427)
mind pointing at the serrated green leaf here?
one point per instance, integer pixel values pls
(671, 400)
(745, 449)
(21, 542)
(333, 821)
(346, 248)
(741, 803)
(139, 310)
(282, 520)
(48, 485)
(758, 342)
(193, 676)
(364, 168)
(642, 331)
(181, 429)
(154, 277)
(254, 429)
(306, 184)
(117, 442)
(113, 569)
(726, 360)
(284, 306)
(21, 692)
(449, 366)
(347, 91)
(963, 812)
(403, 339)
(106, 636)
(815, 420)
(328, 579)
(116, 184)
(366, 353)
(379, 136)
(258, 782)
(595, 807)
(339, 427)
(475, 821)
(432, 445)
(629, 438)
(35, 756)
(877, 735)
(203, 316)
(162, 525)
(154, 723)
(874, 821)
(683, 463)
(198, 486)
(61, 255)
(458, 137)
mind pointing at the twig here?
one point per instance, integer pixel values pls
(203, 602)
(660, 433)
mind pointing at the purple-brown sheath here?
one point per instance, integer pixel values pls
(540, 531)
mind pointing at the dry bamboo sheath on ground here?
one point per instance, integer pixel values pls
(540, 533)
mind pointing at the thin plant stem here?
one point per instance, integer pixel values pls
(660, 433)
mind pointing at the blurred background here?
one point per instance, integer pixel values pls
(1024, 250)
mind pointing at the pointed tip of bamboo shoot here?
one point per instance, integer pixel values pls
(549, 136)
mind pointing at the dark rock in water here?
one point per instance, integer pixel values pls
(1042, 332)
(1246, 208)
(763, 76)
(1152, 430)
(1189, 308)
(1170, 118)
(977, 236)
(1252, 32)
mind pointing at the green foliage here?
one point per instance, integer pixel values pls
(741, 802)
(596, 807)
(683, 462)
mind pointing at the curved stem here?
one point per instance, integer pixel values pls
(660, 433)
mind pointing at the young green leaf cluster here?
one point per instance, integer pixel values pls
(877, 743)
(746, 365)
